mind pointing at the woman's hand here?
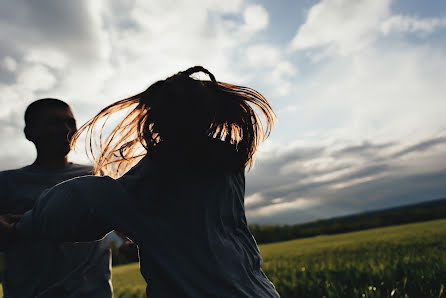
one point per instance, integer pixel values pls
(130, 250)
(8, 231)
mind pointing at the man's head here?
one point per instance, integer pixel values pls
(50, 125)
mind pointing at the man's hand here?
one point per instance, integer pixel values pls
(7, 229)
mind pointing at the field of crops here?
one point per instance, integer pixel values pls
(400, 261)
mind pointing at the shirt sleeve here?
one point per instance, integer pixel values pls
(73, 211)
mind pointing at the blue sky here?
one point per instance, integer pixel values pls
(358, 86)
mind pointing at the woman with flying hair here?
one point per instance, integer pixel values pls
(183, 201)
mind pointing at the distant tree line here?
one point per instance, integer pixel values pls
(419, 212)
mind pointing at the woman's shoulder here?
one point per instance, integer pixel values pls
(90, 188)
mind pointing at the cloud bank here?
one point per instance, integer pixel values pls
(358, 87)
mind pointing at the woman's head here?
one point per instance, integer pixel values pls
(186, 112)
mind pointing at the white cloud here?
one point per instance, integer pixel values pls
(229, 6)
(36, 78)
(379, 94)
(10, 64)
(253, 199)
(281, 206)
(50, 57)
(346, 26)
(290, 109)
(91, 53)
(400, 23)
(277, 70)
(282, 77)
(343, 25)
(256, 18)
(356, 181)
(261, 55)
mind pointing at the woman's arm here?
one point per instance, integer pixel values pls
(73, 211)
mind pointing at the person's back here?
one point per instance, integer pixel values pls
(196, 218)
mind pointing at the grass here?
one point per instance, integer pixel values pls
(399, 261)
(128, 282)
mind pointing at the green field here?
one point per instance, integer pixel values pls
(399, 261)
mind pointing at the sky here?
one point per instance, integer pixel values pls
(358, 87)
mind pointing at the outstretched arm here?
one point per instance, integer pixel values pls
(75, 210)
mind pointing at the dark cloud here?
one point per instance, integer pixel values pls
(367, 171)
(48, 24)
(422, 146)
(372, 195)
(395, 190)
(47, 20)
(266, 171)
(374, 179)
(7, 77)
(365, 149)
(355, 178)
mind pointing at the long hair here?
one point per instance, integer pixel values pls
(180, 110)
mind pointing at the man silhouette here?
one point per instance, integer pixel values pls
(43, 268)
